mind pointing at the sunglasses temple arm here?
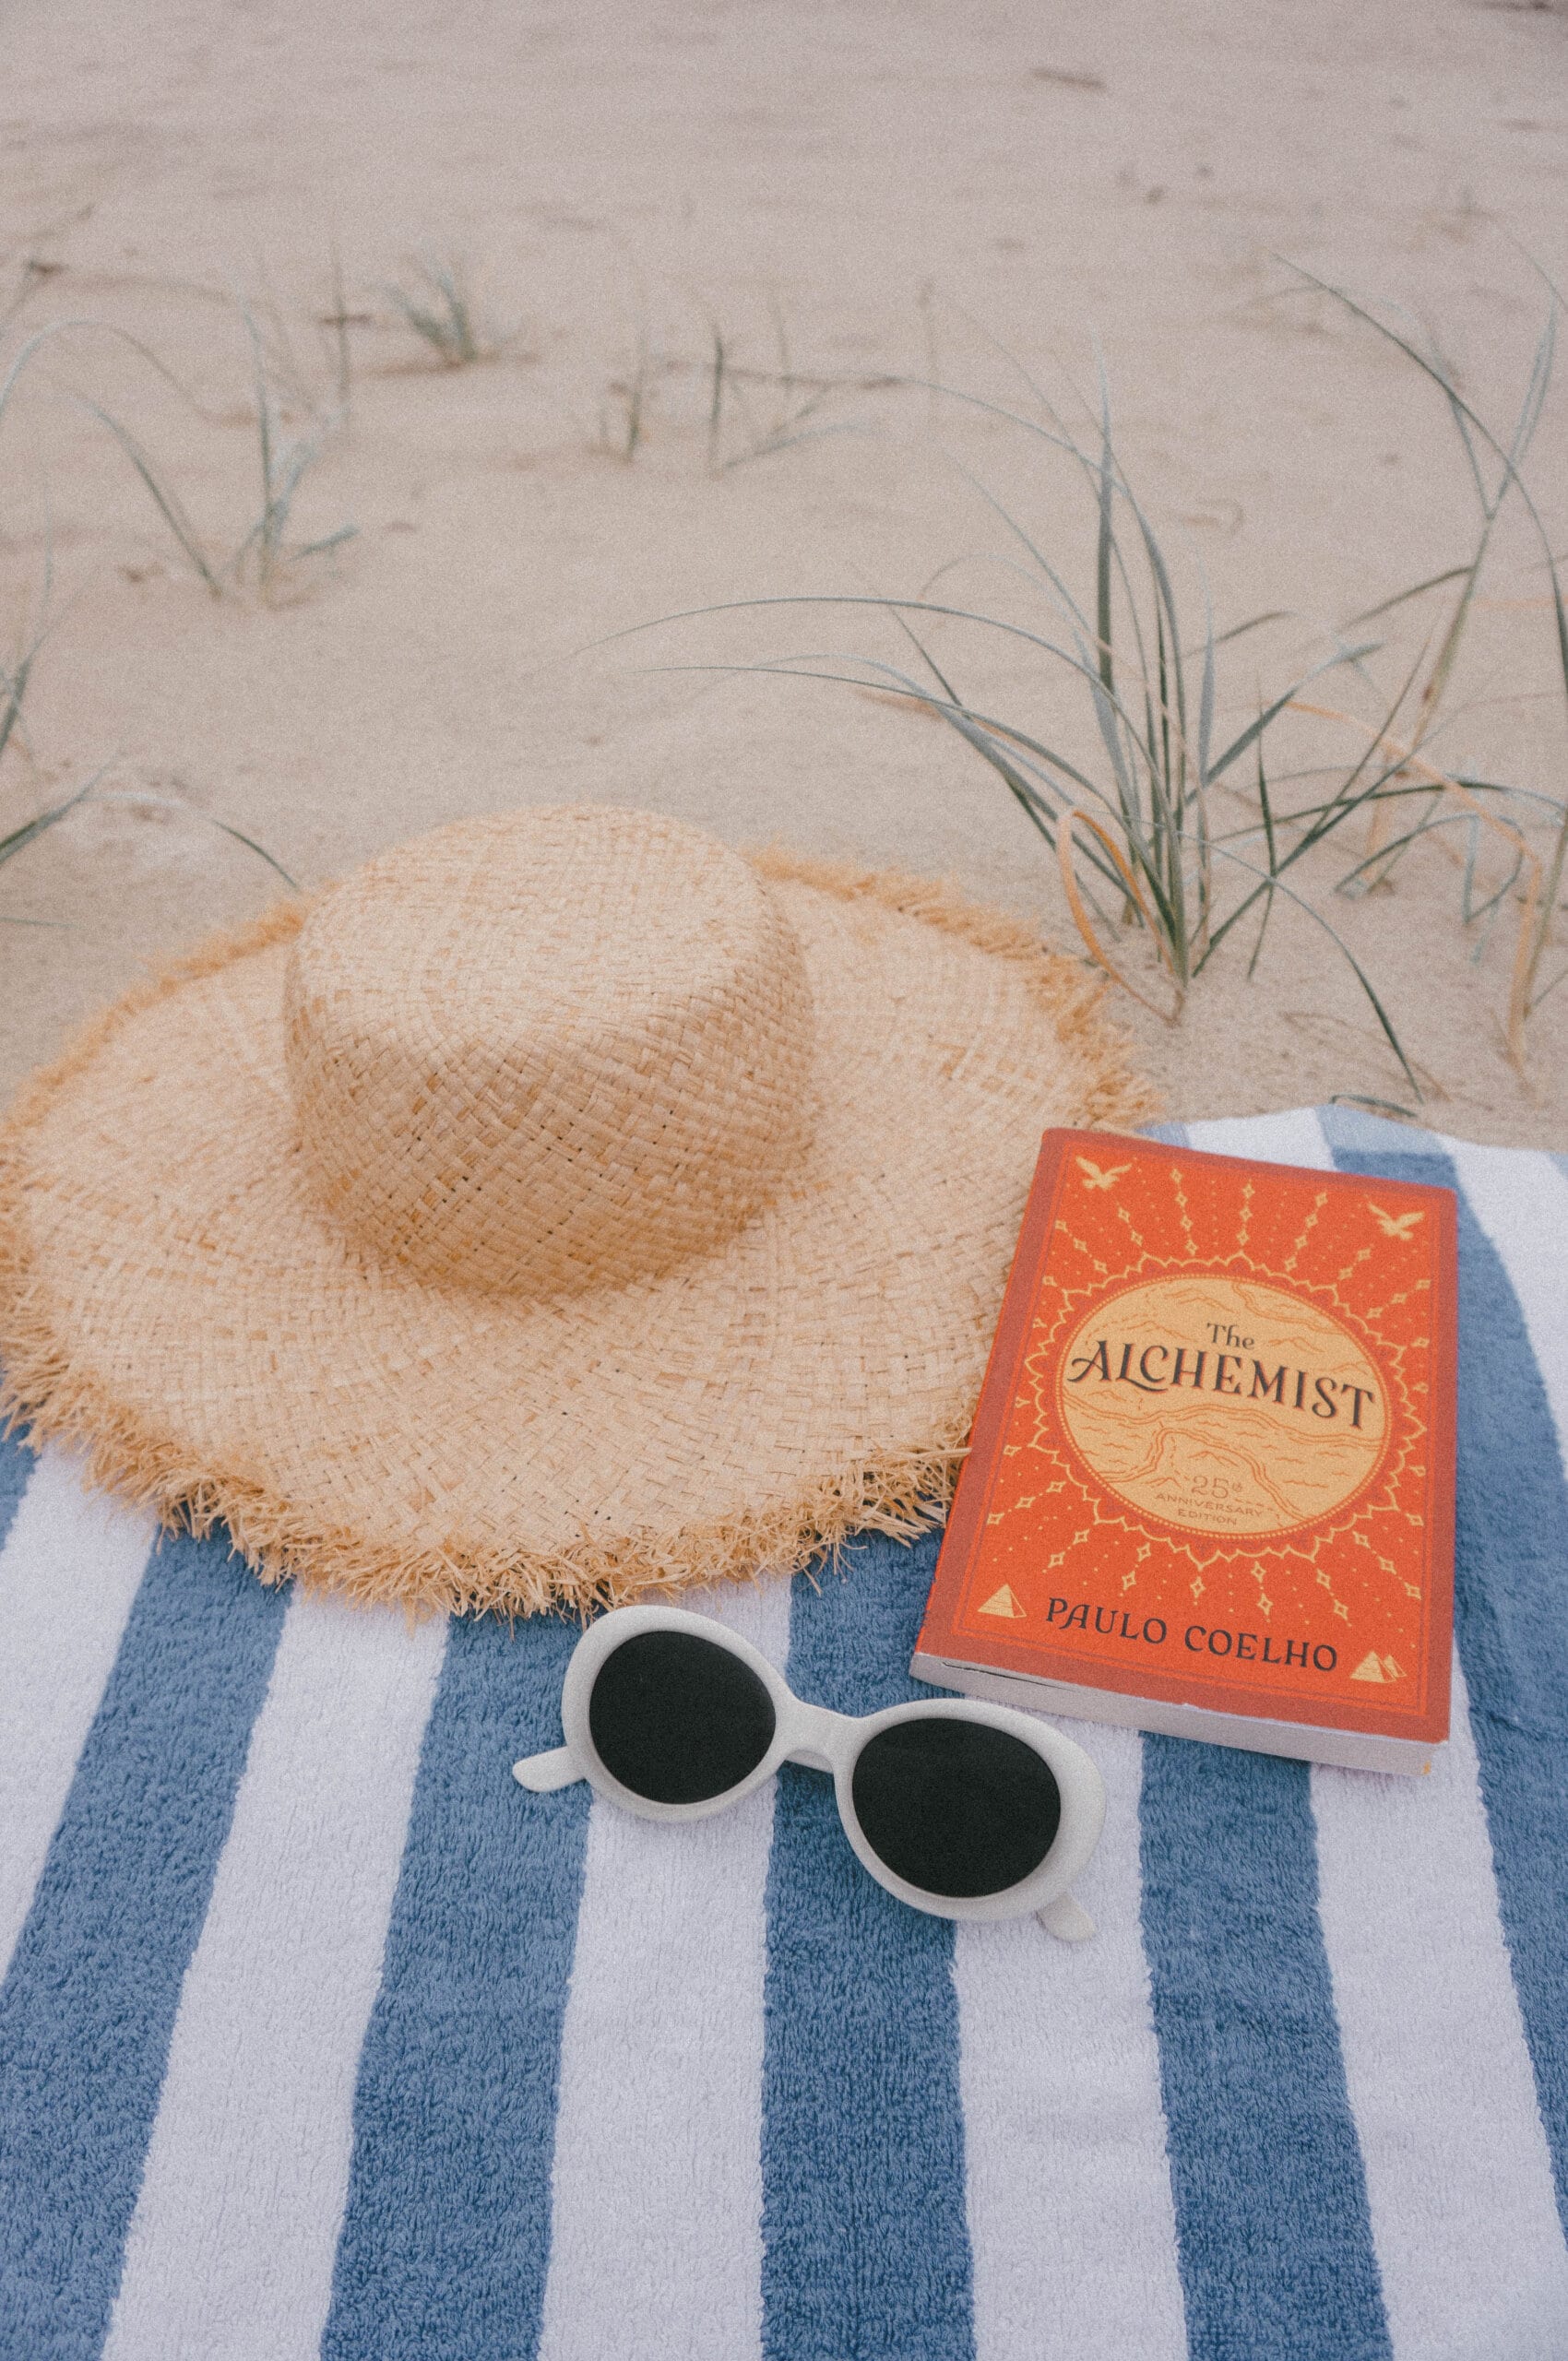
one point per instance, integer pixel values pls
(1067, 1920)
(545, 1773)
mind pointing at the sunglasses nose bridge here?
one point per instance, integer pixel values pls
(813, 1734)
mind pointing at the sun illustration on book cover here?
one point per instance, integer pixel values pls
(1220, 1420)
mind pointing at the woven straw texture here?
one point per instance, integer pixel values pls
(561, 1207)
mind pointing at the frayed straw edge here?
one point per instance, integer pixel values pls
(900, 1495)
(1118, 1099)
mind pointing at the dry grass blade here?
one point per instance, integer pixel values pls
(1148, 836)
(1405, 759)
(1479, 442)
(1076, 819)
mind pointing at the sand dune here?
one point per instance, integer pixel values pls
(850, 194)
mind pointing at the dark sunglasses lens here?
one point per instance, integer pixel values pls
(679, 1719)
(956, 1807)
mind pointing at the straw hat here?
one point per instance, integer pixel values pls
(559, 1207)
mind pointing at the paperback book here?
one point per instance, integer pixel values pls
(1210, 1486)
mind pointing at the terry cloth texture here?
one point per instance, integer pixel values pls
(320, 2036)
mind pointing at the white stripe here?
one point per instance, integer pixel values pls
(232, 2246)
(656, 2235)
(1521, 1202)
(1459, 2182)
(1071, 2220)
(1292, 1137)
(68, 1573)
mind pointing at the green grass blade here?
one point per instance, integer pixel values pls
(1293, 853)
(716, 402)
(163, 497)
(1403, 598)
(340, 326)
(1072, 611)
(1460, 408)
(43, 335)
(189, 811)
(865, 599)
(1267, 810)
(1254, 729)
(1377, 1106)
(327, 541)
(15, 690)
(263, 406)
(1205, 698)
(775, 443)
(19, 838)
(1254, 623)
(1103, 540)
(1361, 977)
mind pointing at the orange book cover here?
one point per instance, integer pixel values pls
(1210, 1485)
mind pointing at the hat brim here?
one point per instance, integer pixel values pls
(171, 1299)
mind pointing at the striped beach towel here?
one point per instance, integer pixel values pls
(319, 2036)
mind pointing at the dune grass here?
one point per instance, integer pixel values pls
(754, 412)
(1147, 838)
(625, 412)
(440, 309)
(284, 462)
(753, 407)
(264, 553)
(22, 834)
(1533, 826)
(32, 274)
(259, 557)
(1134, 844)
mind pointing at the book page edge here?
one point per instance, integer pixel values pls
(1346, 1749)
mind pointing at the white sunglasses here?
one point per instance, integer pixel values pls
(965, 1809)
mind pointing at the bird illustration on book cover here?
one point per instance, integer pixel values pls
(1213, 1458)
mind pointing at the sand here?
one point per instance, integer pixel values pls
(877, 192)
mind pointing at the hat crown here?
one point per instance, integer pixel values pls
(548, 1049)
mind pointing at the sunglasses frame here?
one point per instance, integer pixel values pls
(824, 1740)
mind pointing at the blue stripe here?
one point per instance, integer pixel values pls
(88, 2006)
(17, 1465)
(1346, 1127)
(1365, 1133)
(1511, 1621)
(446, 2234)
(1273, 2230)
(866, 2247)
(1274, 2236)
